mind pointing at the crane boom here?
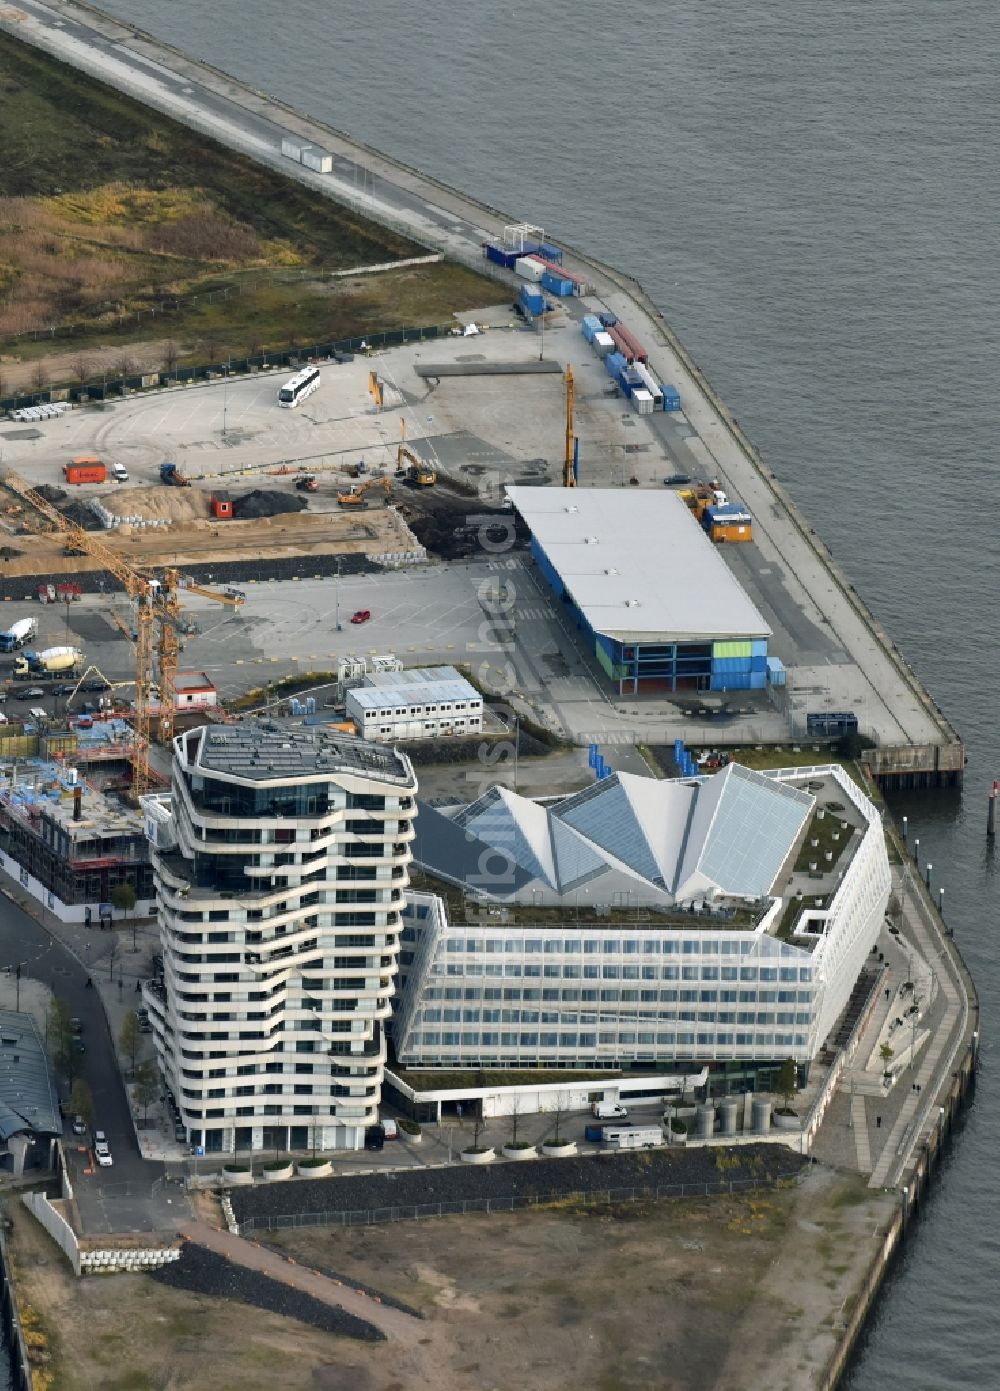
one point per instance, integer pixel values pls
(157, 603)
(569, 477)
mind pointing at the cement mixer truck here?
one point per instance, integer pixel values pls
(54, 661)
(24, 630)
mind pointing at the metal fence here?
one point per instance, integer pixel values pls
(462, 1207)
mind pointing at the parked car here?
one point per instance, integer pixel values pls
(79, 1125)
(65, 690)
(676, 480)
(390, 1129)
(35, 693)
(77, 1026)
(362, 616)
(374, 1137)
(79, 1045)
(96, 686)
(103, 1156)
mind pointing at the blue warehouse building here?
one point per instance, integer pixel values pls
(660, 607)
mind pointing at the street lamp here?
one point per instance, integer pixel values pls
(336, 594)
(17, 976)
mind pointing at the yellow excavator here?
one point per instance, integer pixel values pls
(356, 496)
(418, 472)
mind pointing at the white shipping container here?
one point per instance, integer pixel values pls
(642, 401)
(294, 148)
(604, 343)
(650, 383)
(319, 161)
(529, 268)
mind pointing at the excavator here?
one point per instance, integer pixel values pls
(418, 472)
(356, 496)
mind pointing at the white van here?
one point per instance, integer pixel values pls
(120, 472)
(609, 1111)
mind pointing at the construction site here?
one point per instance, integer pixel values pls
(319, 521)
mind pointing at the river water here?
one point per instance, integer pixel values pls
(811, 194)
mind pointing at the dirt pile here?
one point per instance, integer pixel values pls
(266, 502)
(176, 506)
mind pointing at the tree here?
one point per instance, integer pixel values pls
(124, 366)
(886, 1054)
(147, 1086)
(130, 1037)
(123, 898)
(57, 1028)
(170, 357)
(786, 1084)
(81, 1101)
(39, 377)
(515, 1118)
(82, 368)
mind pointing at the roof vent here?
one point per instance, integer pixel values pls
(572, 509)
(612, 571)
(631, 603)
(590, 540)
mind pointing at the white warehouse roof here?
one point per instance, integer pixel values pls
(418, 686)
(638, 565)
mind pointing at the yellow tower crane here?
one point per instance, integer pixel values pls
(569, 477)
(157, 604)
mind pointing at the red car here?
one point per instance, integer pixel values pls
(362, 616)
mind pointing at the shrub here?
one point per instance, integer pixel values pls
(407, 1126)
(274, 1164)
(678, 1126)
(559, 1140)
(236, 1168)
(316, 1162)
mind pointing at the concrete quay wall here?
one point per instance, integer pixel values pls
(916, 745)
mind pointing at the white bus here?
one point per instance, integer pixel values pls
(297, 388)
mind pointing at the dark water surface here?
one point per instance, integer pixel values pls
(811, 194)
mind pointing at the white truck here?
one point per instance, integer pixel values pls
(54, 661)
(609, 1111)
(24, 630)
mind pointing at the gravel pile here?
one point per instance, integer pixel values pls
(266, 502)
(202, 1271)
(541, 1178)
(51, 493)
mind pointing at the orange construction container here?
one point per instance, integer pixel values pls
(731, 531)
(222, 506)
(86, 468)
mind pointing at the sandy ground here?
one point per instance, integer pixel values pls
(304, 533)
(739, 1293)
(61, 367)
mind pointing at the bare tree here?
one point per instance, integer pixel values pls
(39, 376)
(254, 345)
(211, 347)
(124, 365)
(170, 357)
(82, 368)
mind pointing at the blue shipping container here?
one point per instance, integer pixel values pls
(531, 300)
(550, 252)
(775, 671)
(614, 362)
(608, 320)
(671, 398)
(557, 285)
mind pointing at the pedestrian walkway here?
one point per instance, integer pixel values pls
(859, 1124)
(394, 1323)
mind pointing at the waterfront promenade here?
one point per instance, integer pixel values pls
(791, 568)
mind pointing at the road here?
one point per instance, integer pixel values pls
(46, 959)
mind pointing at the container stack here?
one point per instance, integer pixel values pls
(532, 301)
(671, 397)
(603, 343)
(529, 268)
(591, 325)
(311, 156)
(642, 401)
